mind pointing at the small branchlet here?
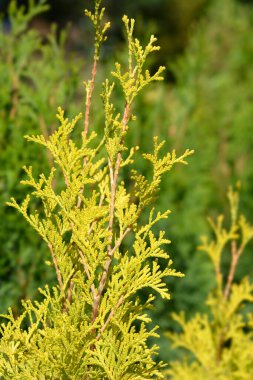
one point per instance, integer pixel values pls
(99, 38)
(136, 77)
(100, 28)
(220, 342)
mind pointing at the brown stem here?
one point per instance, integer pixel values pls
(87, 116)
(120, 301)
(69, 296)
(114, 177)
(235, 256)
(57, 271)
(86, 269)
(114, 173)
(105, 274)
(89, 96)
(119, 241)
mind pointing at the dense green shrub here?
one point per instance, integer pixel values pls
(35, 77)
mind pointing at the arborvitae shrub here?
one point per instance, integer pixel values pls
(93, 324)
(218, 344)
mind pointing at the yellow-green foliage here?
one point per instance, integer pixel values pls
(219, 345)
(93, 325)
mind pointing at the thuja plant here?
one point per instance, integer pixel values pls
(93, 325)
(219, 345)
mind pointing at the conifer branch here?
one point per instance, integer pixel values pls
(99, 37)
(114, 173)
(120, 240)
(90, 89)
(114, 178)
(86, 269)
(105, 274)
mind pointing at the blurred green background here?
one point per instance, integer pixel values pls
(206, 104)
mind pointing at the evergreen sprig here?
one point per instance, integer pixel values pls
(220, 342)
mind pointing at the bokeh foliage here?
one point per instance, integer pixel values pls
(35, 77)
(211, 110)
